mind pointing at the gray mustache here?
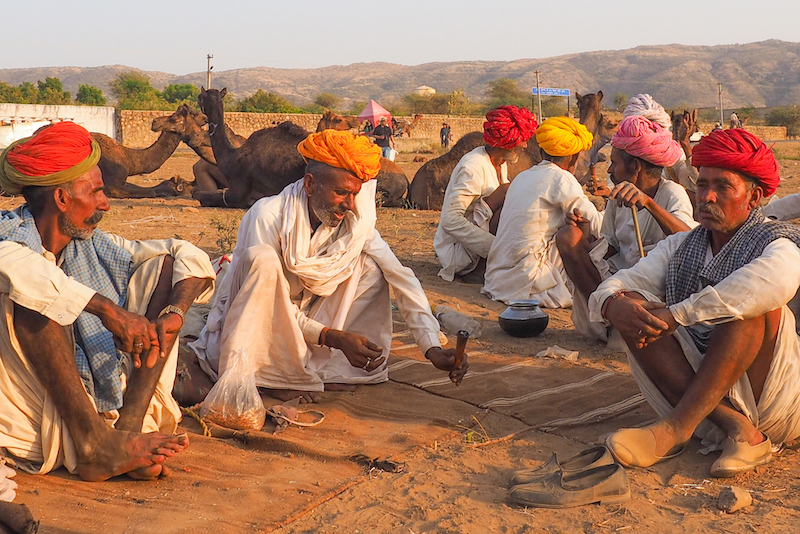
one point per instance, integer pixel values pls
(711, 209)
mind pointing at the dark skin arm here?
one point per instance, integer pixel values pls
(629, 195)
(640, 320)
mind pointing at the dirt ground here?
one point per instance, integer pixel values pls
(300, 481)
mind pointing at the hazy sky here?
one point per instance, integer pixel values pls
(176, 36)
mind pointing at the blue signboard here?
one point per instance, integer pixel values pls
(549, 91)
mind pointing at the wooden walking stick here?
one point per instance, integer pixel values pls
(635, 214)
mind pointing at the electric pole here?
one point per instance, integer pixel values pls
(538, 96)
(208, 71)
(721, 113)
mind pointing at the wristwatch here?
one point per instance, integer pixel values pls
(173, 309)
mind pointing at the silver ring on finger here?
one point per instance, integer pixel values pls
(138, 345)
(640, 332)
(369, 361)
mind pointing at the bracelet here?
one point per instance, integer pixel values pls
(174, 309)
(615, 295)
(323, 337)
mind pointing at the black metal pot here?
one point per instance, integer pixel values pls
(524, 318)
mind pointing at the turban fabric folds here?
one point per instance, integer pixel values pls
(739, 150)
(645, 106)
(562, 136)
(54, 155)
(344, 150)
(508, 126)
(644, 139)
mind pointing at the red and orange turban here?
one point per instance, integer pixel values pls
(53, 155)
(344, 150)
(740, 151)
(508, 126)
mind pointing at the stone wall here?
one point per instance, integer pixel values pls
(134, 126)
(767, 133)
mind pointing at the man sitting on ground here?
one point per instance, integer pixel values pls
(523, 261)
(476, 191)
(640, 151)
(307, 293)
(70, 293)
(705, 319)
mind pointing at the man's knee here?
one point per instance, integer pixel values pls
(262, 260)
(568, 240)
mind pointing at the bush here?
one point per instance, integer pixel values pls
(133, 91)
(506, 92)
(788, 116)
(265, 102)
(181, 93)
(89, 95)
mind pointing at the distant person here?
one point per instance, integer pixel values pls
(735, 122)
(476, 192)
(368, 127)
(445, 136)
(383, 138)
(717, 126)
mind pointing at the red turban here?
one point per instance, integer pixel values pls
(508, 126)
(54, 155)
(740, 151)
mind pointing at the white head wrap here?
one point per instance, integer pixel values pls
(644, 105)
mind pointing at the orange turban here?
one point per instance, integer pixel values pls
(562, 136)
(344, 150)
(54, 155)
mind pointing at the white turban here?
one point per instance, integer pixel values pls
(644, 105)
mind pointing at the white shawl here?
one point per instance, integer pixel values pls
(324, 258)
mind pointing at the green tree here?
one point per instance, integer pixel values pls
(436, 104)
(265, 102)
(89, 95)
(458, 103)
(51, 91)
(788, 116)
(506, 92)
(134, 91)
(554, 106)
(179, 93)
(620, 101)
(327, 100)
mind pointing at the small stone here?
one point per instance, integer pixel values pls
(733, 498)
(190, 209)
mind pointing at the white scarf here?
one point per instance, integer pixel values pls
(324, 258)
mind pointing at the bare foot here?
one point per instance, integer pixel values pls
(306, 397)
(667, 439)
(119, 452)
(340, 387)
(151, 473)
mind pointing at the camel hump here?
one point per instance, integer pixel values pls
(291, 128)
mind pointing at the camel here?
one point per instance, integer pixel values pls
(427, 188)
(406, 127)
(601, 128)
(117, 162)
(267, 161)
(331, 120)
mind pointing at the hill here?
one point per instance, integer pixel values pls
(759, 74)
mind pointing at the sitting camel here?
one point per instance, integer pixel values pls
(426, 191)
(268, 161)
(334, 121)
(117, 162)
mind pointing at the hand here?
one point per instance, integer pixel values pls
(638, 319)
(628, 194)
(576, 218)
(600, 190)
(445, 360)
(168, 326)
(132, 333)
(359, 351)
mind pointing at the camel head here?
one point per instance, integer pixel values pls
(684, 124)
(603, 133)
(589, 105)
(175, 123)
(211, 97)
(334, 121)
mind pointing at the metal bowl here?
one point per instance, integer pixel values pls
(524, 318)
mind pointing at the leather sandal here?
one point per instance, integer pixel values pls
(636, 447)
(739, 456)
(607, 484)
(593, 457)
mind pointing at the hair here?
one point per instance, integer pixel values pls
(648, 168)
(37, 197)
(562, 160)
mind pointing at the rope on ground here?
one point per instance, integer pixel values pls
(193, 415)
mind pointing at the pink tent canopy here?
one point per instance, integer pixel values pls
(373, 113)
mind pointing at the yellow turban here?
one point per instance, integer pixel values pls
(344, 150)
(562, 136)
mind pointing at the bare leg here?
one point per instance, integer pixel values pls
(735, 348)
(574, 246)
(102, 451)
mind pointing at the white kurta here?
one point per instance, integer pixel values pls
(618, 231)
(783, 209)
(767, 283)
(682, 173)
(264, 309)
(463, 235)
(31, 429)
(523, 262)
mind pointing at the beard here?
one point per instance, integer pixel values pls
(72, 230)
(324, 212)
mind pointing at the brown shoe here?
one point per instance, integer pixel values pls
(607, 484)
(593, 457)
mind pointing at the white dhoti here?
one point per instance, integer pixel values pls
(777, 413)
(32, 432)
(260, 317)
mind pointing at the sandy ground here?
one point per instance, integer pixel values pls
(300, 481)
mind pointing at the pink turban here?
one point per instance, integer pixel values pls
(647, 140)
(740, 151)
(508, 126)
